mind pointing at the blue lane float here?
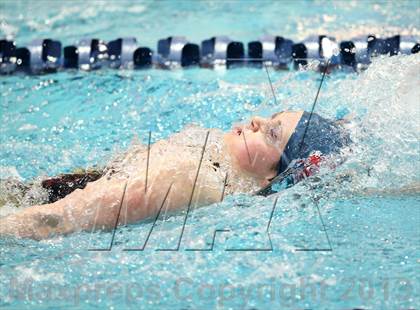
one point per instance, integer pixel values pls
(121, 52)
(273, 50)
(221, 51)
(44, 55)
(48, 55)
(177, 51)
(87, 54)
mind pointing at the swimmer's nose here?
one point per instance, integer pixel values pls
(256, 123)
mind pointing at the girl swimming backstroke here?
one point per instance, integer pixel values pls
(194, 167)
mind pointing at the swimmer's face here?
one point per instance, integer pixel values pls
(255, 146)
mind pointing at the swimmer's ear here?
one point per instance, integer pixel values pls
(265, 182)
(268, 178)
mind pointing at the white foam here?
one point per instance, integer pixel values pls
(9, 172)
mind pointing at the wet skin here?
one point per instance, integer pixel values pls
(254, 150)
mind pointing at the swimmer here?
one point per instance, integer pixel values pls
(194, 167)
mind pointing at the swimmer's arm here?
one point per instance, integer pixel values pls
(103, 202)
(93, 207)
(34, 222)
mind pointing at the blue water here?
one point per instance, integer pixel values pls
(55, 123)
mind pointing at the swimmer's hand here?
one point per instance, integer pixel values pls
(35, 225)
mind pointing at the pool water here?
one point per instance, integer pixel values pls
(361, 253)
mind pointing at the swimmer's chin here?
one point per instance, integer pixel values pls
(228, 140)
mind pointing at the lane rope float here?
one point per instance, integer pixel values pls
(48, 55)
